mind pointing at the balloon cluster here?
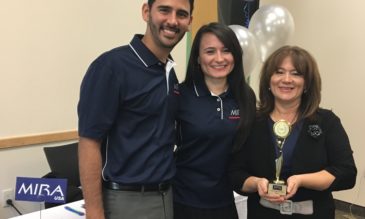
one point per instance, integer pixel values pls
(270, 27)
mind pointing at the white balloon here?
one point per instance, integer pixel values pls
(249, 47)
(273, 26)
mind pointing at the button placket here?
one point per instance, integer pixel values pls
(220, 107)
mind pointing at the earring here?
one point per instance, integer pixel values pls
(269, 88)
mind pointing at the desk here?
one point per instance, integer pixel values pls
(58, 212)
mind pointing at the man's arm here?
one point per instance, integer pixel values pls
(90, 162)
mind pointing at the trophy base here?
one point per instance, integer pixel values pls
(277, 187)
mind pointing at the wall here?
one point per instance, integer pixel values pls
(46, 46)
(45, 49)
(333, 31)
(205, 11)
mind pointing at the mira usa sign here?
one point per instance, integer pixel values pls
(48, 190)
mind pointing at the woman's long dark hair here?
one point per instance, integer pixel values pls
(242, 92)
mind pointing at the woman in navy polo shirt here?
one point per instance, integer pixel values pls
(215, 103)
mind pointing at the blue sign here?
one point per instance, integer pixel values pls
(48, 190)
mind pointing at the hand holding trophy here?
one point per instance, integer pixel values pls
(281, 130)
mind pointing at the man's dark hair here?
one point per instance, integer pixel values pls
(150, 2)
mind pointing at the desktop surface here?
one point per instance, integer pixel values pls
(73, 210)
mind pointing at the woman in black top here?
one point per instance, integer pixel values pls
(317, 157)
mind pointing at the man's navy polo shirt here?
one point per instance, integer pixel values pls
(126, 103)
(206, 127)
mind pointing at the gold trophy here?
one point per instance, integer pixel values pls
(281, 130)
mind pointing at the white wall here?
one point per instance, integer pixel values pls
(45, 49)
(61, 38)
(334, 32)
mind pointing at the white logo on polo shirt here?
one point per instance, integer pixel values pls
(235, 114)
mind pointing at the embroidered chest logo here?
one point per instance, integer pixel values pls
(235, 114)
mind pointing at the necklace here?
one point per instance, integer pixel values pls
(276, 116)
